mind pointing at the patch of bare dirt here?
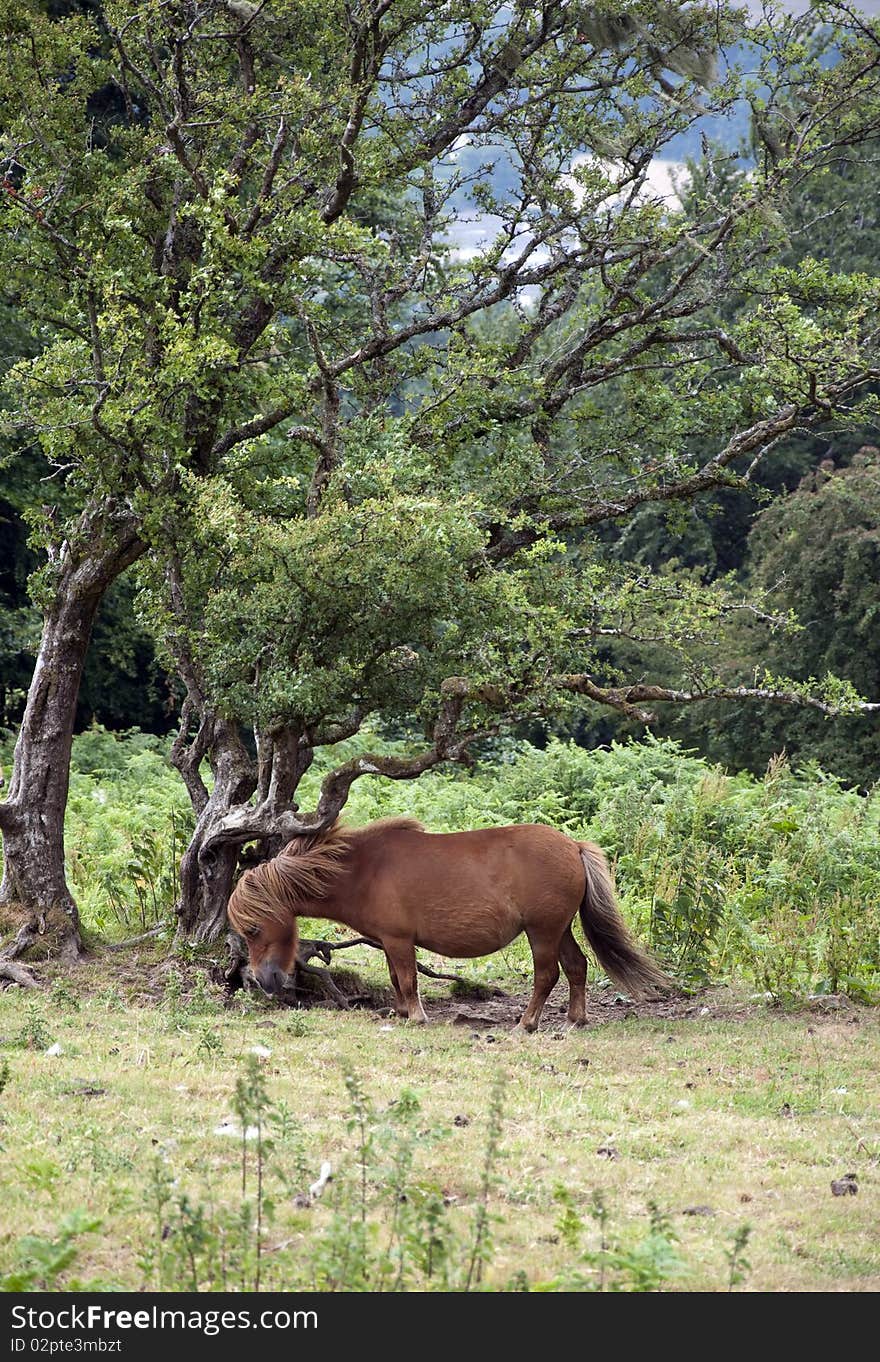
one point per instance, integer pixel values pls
(603, 1006)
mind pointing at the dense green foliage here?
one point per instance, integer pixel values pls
(255, 361)
(827, 217)
(818, 554)
(807, 558)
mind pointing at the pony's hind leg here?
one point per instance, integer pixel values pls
(399, 1005)
(546, 958)
(574, 962)
(401, 957)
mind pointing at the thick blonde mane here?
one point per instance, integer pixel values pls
(306, 869)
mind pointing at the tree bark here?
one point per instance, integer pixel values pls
(36, 905)
(207, 870)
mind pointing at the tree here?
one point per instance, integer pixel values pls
(832, 219)
(122, 685)
(817, 555)
(263, 369)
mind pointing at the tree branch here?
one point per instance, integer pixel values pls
(328, 451)
(259, 425)
(268, 178)
(267, 820)
(626, 699)
(186, 757)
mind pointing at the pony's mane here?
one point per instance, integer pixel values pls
(305, 869)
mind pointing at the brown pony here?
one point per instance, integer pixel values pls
(459, 894)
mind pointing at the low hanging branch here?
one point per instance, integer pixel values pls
(448, 745)
(267, 820)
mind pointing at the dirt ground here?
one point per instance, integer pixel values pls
(481, 1008)
(604, 1006)
(485, 1012)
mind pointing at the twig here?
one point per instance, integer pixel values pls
(324, 948)
(134, 940)
(439, 974)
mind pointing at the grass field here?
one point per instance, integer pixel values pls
(727, 1114)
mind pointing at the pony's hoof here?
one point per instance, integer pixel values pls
(527, 1028)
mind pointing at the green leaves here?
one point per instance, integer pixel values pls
(360, 607)
(42, 1260)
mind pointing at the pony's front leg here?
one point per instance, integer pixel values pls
(546, 959)
(401, 956)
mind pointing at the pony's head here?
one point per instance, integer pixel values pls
(260, 912)
(265, 902)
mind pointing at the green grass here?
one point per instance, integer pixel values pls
(748, 1111)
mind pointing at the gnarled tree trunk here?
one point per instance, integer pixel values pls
(225, 818)
(207, 871)
(36, 905)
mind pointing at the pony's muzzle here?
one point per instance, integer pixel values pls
(270, 978)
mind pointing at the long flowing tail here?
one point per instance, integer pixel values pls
(607, 933)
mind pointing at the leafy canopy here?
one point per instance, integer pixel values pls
(356, 451)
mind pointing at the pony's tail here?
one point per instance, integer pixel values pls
(631, 968)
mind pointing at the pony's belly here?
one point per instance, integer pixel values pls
(465, 942)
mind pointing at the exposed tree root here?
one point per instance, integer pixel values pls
(14, 973)
(17, 974)
(50, 931)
